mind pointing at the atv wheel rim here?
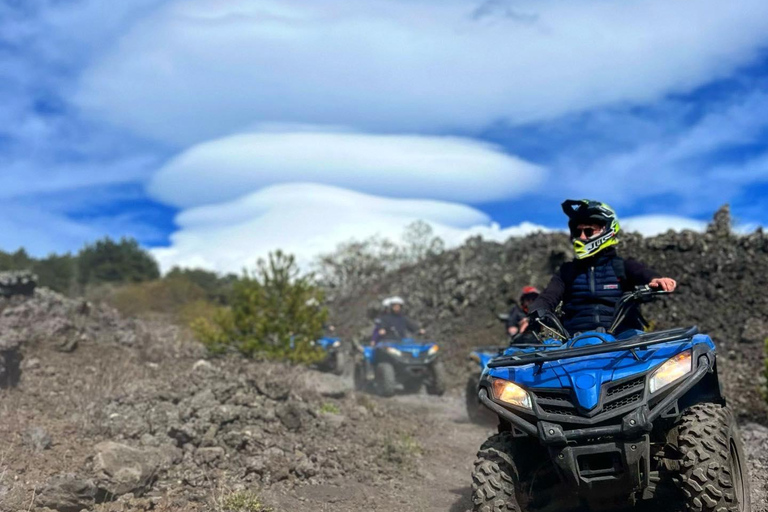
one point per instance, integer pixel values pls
(738, 482)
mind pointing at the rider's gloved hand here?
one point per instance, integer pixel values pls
(533, 317)
(665, 283)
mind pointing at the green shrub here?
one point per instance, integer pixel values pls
(402, 449)
(272, 314)
(243, 501)
(329, 408)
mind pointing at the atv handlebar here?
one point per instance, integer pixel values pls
(641, 295)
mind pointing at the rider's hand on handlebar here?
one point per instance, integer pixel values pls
(664, 283)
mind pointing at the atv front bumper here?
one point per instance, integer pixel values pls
(611, 457)
(633, 424)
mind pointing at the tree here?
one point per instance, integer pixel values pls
(107, 261)
(421, 242)
(357, 263)
(57, 272)
(273, 314)
(18, 260)
(217, 288)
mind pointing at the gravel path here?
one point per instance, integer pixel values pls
(449, 443)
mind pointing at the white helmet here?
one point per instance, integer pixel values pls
(391, 301)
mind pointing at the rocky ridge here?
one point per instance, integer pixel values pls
(722, 276)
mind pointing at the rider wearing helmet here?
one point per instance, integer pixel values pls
(592, 284)
(517, 319)
(393, 324)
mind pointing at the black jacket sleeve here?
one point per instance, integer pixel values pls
(411, 325)
(552, 294)
(638, 274)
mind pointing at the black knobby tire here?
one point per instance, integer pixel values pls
(10, 369)
(339, 363)
(495, 476)
(437, 379)
(713, 468)
(385, 379)
(360, 376)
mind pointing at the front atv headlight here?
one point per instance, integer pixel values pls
(672, 370)
(394, 351)
(336, 344)
(511, 393)
(433, 350)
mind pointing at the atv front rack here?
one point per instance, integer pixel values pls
(635, 342)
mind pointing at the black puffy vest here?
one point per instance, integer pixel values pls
(592, 289)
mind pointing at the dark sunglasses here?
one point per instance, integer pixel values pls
(588, 232)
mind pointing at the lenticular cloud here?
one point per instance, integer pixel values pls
(410, 166)
(308, 219)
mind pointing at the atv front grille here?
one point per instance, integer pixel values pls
(615, 396)
(556, 402)
(623, 402)
(638, 383)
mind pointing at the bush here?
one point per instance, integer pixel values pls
(217, 288)
(165, 296)
(272, 314)
(243, 501)
(107, 261)
(402, 449)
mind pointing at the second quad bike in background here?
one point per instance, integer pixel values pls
(400, 365)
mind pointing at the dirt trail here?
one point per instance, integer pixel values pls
(448, 443)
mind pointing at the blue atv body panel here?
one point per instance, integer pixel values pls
(484, 356)
(586, 375)
(406, 346)
(326, 343)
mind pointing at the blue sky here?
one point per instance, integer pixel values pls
(216, 131)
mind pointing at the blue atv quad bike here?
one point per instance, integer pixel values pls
(404, 365)
(600, 422)
(479, 359)
(336, 356)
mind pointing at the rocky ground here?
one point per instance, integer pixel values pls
(117, 415)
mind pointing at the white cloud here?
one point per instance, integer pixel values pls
(308, 219)
(651, 225)
(678, 165)
(201, 69)
(444, 168)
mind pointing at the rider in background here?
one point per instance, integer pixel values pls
(592, 284)
(393, 324)
(517, 319)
